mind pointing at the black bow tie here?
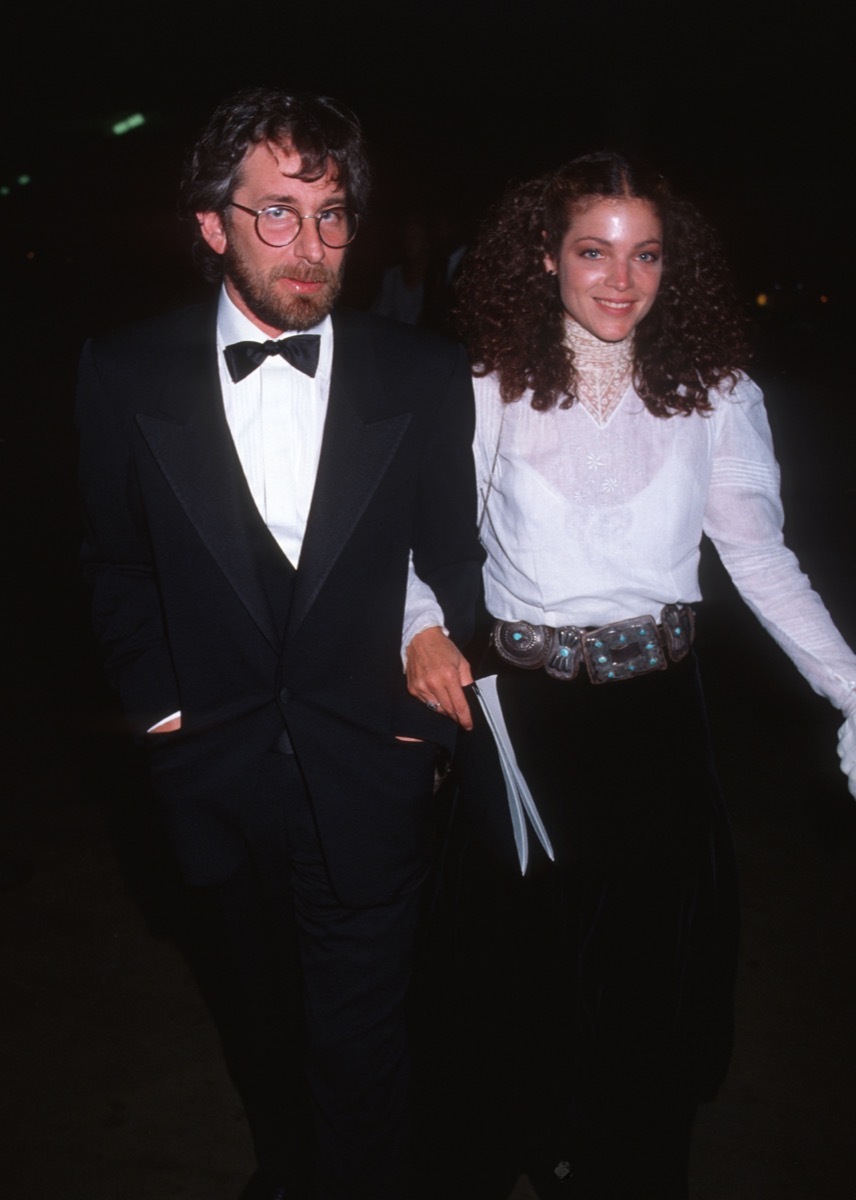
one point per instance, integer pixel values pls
(301, 351)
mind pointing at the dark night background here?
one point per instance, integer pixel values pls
(749, 110)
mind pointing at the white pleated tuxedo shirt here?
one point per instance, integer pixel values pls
(276, 417)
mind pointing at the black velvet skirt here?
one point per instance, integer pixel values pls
(594, 995)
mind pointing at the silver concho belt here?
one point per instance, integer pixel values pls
(621, 650)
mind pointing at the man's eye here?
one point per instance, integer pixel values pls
(332, 216)
(280, 213)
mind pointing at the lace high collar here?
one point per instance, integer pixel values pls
(604, 370)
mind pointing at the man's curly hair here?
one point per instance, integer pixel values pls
(325, 134)
(510, 310)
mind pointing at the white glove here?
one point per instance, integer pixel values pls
(847, 751)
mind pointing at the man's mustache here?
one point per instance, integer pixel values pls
(305, 274)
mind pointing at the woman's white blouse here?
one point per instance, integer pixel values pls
(586, 523)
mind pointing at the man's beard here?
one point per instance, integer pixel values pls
(274, 307)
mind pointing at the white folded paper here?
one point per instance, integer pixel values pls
(520, 802)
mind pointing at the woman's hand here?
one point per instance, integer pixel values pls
(437, 673)
(847, 751)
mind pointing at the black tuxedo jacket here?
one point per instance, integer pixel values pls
(198, 609)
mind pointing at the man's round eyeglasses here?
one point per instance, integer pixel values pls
(280, 225)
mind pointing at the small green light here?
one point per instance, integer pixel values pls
(5, 190)
(132, 122)
(23, 180)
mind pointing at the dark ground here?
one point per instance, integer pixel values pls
(113, 1083)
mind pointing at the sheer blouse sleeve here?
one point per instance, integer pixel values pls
(744, 519)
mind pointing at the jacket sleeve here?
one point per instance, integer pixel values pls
(447, 554)
(116, 555)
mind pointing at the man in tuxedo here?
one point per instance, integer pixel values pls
(267, 483)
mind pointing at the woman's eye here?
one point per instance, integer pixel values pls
(591, 253)
(649, 256)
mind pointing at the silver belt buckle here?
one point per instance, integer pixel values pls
(565, 652)
(558, 651)
(623, 650)
(678, 624)
(522, 644)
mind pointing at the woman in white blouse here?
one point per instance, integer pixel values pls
(615, 426)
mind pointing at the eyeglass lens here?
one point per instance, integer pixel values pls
(279, 225)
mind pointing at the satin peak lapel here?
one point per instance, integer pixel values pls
(193, 447)
(354, 456)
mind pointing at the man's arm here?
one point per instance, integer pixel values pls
(116, 557)
(447, 555)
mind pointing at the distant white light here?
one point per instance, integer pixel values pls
(132, 122)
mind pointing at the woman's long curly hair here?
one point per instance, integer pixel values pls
(511, 314)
